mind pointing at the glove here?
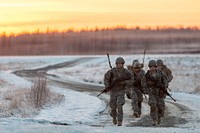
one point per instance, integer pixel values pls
(161, 94)
(128, 95)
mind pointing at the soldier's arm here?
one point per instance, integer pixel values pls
(144, 85)
(130, 81)
(164, 80)
(129, 84)
(169, 75)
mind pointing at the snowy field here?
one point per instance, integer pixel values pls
(79, 109)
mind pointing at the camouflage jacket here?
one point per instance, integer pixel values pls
(168, 73)
(114, 74)
(154, 84)
(137, 77)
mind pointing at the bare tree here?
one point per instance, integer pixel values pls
(39, 92)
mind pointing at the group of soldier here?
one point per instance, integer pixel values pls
(134, 82)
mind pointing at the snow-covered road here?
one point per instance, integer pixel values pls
(81, 110)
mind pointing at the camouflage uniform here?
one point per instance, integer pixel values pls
(165, 70)
(118, 91)
(137, 89)
(154, 83)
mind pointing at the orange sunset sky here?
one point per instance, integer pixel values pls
(28, 15)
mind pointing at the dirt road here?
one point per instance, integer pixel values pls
(171, 119)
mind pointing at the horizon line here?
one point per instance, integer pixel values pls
(48, 30)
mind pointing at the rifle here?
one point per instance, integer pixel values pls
(109, 87)
(113, 83)
(167, 93)
(162, 88)
(104, 91)
(142, 67)
(109, 61)
(144, 55)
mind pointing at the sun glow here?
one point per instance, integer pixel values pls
(26, 15)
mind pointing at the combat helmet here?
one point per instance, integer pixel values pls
(152, 63)
(119, 60)
(137, 65)
(134, 61)
(159, 62)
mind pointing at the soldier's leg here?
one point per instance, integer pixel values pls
(161, 109)
(139, 108)
(160, 114)
(140, 99)
(153, 108)
(113, 106)
(120, 103)
(154, 113)
(120, 114)
(135, 104)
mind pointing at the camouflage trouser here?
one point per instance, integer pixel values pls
(137, 99)
(157, 106)
(116, 103)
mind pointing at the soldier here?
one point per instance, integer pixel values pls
(130, 67)
(137, 89)
(134, 61)
(117, 92)
(165, 69)
(156, 83)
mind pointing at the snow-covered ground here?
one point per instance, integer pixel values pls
(79, 110)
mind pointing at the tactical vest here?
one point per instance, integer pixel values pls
(157, 80)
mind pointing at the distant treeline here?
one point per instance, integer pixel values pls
(115, 41)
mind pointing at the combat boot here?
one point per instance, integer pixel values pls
(119, 123)
(136, 114)
(114, 120)
(154, 122)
